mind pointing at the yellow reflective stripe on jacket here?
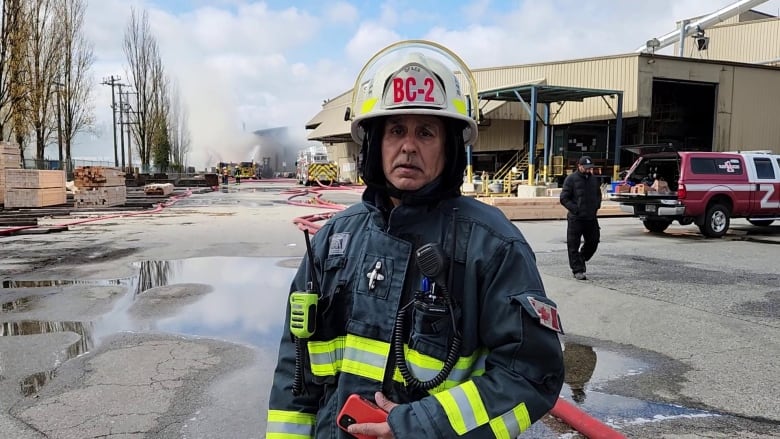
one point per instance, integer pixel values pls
(466, 411)
(290, 425)
(367, 358)
(424, 368)
(512, 423)
(464, 407)
(351, 354)
(326, 356)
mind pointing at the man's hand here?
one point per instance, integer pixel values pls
(379, 430)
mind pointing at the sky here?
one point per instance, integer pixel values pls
(246, 65)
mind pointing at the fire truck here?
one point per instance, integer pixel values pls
(246, 169)
(313, 166)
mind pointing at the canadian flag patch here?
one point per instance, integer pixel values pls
(548, 314)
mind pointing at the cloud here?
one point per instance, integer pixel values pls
(259, 65)
(341, 12)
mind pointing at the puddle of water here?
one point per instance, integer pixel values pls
(243, 300)
(17, 305)
(588, 367)
(33, 383)
(58, 283)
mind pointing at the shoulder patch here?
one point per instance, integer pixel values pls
(548, 314)
(338, 244)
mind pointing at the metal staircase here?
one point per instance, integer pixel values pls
(505, 175)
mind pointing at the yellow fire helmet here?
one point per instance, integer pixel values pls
(415, 77)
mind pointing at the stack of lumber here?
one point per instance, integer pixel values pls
(34, 188)
(158, 189)
(538, 208)
(9, 159)
(99, 186)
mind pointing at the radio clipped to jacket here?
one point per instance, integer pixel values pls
(303, 313)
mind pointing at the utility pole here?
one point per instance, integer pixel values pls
(113, 81)
(129, 109)
(121, 126)
(59, 86)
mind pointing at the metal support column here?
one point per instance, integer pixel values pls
(547, 147)
(532, 139)
(469, 166)
(618, 136)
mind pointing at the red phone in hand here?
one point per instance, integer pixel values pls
(359, 410)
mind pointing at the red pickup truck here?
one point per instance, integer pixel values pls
(706, 188)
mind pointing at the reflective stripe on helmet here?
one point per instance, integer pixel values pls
(466, 411)
(284, 424)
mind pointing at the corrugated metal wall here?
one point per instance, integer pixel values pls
(750, 42)
(501, 135)
(748, 99)
(755, 110)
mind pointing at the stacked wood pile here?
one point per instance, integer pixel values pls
(34, 188)
(99, 186)
(9, 159)
(539, 208)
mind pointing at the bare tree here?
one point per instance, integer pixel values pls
(179, 133)
(14, 37)
(142, 54)
(44, 58)
(78, 57)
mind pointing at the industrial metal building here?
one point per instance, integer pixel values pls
(720, 93)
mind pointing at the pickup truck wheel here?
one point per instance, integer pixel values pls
(716, 221)
(656, 226)
(761, 223)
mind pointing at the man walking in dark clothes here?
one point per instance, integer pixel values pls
(581, 196)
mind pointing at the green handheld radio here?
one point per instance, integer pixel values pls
(303, 313)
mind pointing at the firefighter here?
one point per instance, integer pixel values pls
(225, 175)
(427, 302)
(237, 174)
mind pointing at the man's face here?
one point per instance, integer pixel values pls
(413, 150)
(584, 170)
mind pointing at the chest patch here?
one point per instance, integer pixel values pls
(338, 244)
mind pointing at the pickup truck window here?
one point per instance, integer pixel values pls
(702, 165)
(764, 168)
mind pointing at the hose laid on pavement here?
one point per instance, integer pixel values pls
(582, 422)
(169, 202)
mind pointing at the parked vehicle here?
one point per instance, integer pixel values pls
(313, 166)
(705, 188)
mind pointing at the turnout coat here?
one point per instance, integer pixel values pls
(509, 370)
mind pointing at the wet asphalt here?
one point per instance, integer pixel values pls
(166, 325)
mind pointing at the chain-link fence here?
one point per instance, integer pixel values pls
(47, 164)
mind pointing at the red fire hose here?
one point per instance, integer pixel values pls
(582, 422)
